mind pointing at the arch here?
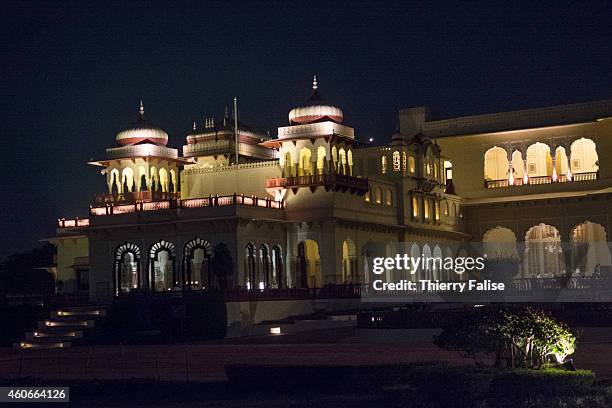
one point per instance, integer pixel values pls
(397, 163)
(197, 270)
(426, 209)
(278, 269)
(162, 270)
(437, 263)
(288, 165)
(415, 207)
(454, 210)
(349, 262)
(250, 278)
(266, 267)
(583, 156)
(334, 157)
(341, 161)
(143, 180)
(590, 251)
(543, 254)
(368, 195)
(172, 184)
(499, 243)
(404, 162)
(349, 156)
(389, 197)
(321, 157)
(383, 164)
(163, 180)
(304, 162)
(309, 264)
(114, 186)
(436, 210)
(445, 207)
(415, 253)
(495, 164)
(154, 180)
(518, 167)
(411, 164)
(539, 160)
(127, 179)
(378, 195)
(126, 268)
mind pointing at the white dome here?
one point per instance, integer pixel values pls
(315, 109)
(142, 131)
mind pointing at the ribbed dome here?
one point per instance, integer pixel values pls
(142, 131)
(315, 109)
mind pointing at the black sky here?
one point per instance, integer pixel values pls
(73, 73)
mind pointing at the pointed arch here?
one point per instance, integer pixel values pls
(162, 268)
(126, 268)
(197, 268)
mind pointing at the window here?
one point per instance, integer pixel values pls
(415, 207)
(378, 195)
(404, 159)
(389, 197)
(437, 211)
(448, 170)
(396, 161)
(383, 164)
(426, 208)
(367, 197)
(411, 164)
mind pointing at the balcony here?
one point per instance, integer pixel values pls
(542, 180)
(329, 181)
(114, 208)
(134, 197)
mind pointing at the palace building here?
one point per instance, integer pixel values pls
(302, 213)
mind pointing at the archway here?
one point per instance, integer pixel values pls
(496, 164)
(518, 168)
(278, 268)
(304, 164)
(251, 279)
(342, 161)
(309, 264)
(349, 262)
(584, 157)
(396, 159)
(539, 160)
(499, 243)
(288, 165)
(321, 155)
(163, 180)
(543, 252)
(197, 256)
(127, 177)
(590, 251)
(266, 266)
(162, 271)
(126, 266)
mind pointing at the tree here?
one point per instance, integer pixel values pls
(222, 264)
(519, 337)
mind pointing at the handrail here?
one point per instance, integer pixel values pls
(587, 176)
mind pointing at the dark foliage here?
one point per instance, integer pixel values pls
(23, 273)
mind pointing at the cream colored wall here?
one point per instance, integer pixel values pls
(248, 179)
(467, 155)
(69, 248)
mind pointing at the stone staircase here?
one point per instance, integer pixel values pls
(65, 327)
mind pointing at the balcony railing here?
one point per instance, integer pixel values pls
(542, 180)
(73, 223)
(211, 201)
(335, 181)
(134, 197)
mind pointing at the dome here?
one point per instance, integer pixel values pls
(142, 131)
(315, 109)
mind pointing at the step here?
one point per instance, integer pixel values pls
(55, 334)
(67, 319)
(31, 345)
(80, 324)
(74, 312)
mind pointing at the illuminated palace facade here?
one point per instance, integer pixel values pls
(311, 206)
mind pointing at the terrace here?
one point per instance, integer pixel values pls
(329, 181)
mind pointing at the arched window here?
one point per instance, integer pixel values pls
(383, 164)
(163, 180)
(127, 178)
(518, 168)
(367, 196)
(445, 207)
(278, 269)
(415, 207)
(334, 157)
(197, 270)
(378, 193)
(162, 271)
(309, 270)
(349, 262)
(397, 165)
(251, 279)
(543, 252)
(437, 210)
(126, 265)
(389, 197)
(321, 160)
(304, 164)
(539, 160)
(266, 267)
(342, 161)
(404, 162)
(288, 167)
(350, 162)
(426, 208)
(499, 243)
(411, 164)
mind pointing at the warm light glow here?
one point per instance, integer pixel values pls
(275, 330)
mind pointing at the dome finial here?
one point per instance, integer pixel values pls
(315, 84)
(141, 110)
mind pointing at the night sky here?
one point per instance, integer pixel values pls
(73, 75)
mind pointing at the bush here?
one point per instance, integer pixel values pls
(512, 387)
(518, 337)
